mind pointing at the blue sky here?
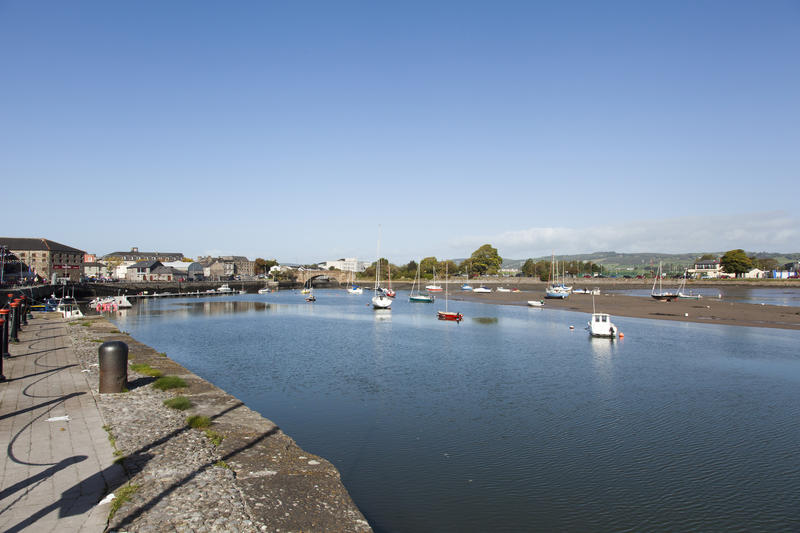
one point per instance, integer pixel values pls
(292, 129)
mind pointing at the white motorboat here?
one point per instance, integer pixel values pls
(265, 290)
(69, 309)
(224, 288)
(481, 290)
(600, 325)
(536, 303)
(503, 289)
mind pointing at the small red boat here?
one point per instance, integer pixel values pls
(450, 315)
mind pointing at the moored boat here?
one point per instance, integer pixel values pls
(450, 315)
(447, 314)
(661, 294)
(379, 299)
(482, 289)
(600, 325)
(419, 297)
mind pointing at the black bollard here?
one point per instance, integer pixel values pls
(18, 314)
(4, 333)
(23, 311)
(113, 366)
(12, 327)
(2, 351)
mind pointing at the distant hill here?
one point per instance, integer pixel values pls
(645, 261)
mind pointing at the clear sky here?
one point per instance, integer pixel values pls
(292, 129)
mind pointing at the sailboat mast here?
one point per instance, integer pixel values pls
(446, 279)
(378, 262)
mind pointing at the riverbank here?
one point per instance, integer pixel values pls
(705, 311)
(236, 471)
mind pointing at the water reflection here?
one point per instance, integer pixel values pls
(383, 315)
(485, 319)
(602, 352)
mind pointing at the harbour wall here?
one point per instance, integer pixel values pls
(282, 487)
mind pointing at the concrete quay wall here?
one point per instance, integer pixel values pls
(241, 473)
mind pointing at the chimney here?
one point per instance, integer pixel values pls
(134, 249)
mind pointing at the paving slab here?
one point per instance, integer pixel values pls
(54, 471)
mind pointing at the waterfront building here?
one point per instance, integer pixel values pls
(231, 265)
(348, 264)
(134, 256)
(45, 258)
(706, 269)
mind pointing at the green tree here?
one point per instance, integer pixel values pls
(706, 257)
(447, 267)
(410, 269)
(529, 268)
(427, 265)
(486, 260)
(736, 262)
(263, 265)
(765, 263)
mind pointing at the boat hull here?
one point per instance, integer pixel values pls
(381, 302)
(450, 315)
(664, 296)
(421, 299)
(557, 295)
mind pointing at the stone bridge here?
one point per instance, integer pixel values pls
(305, 276)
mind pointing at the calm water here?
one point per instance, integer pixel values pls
(510, 421)
(756, 295)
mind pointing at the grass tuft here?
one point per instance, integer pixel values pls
(162, 354)
(147, 370)
(121, 496)
(181, 403)
(215, 438)
(222, 464)
(169, 382)
(198, 421)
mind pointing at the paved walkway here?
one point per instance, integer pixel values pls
(54, 471)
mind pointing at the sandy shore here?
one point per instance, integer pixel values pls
(705, 311)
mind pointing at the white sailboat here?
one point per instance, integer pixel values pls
(379, 299)
(555, 289)
(433, 287)
(352, 288)
(683, 294)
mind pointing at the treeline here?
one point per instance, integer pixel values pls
(542, 269)
(483, 261)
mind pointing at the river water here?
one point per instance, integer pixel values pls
(510, 421)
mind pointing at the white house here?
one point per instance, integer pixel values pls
(706, 269)
(348, 264)
(756, 273)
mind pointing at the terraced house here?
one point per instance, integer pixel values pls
(46, 258)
